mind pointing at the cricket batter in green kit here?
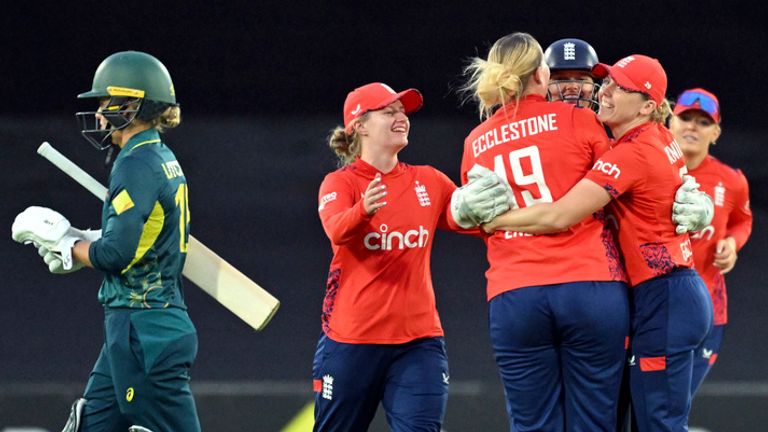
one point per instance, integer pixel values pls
(141, 379)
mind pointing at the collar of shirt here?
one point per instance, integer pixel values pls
(367, 170)
(149, 136)
(634, 132)
(511, 105)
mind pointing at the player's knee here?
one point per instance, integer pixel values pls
(75, 416)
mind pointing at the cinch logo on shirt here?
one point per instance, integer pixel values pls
(385, 240)
(607, 168)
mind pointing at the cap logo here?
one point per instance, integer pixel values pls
(647, 85)
(569, 51)
(356, 110)
(625, 61)
(389, 89)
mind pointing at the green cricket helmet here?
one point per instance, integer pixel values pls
(136, 85)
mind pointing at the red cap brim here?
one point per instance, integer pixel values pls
(602, 70)
(679, 109)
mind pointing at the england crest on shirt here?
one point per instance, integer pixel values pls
(720, 195)
(422, 195)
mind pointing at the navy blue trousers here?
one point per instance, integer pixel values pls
(561, 351)
(410, 380)
(705, 356)
(671, 316)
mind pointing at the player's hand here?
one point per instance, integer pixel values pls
(42, 226)
(483, 198)
(725, 254)
(54, 262)
(693, 209)
(374, 195)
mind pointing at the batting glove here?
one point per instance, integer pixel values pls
(693, 209)
(42, 226)
(482, 199)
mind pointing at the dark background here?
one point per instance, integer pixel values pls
(261, 84)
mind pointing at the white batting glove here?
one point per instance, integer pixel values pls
(45, 227)
(480, 200)
(693, 209)
(54, 262)
(479, 171)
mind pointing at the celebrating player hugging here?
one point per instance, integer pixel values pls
(670, 309)
(141, 250)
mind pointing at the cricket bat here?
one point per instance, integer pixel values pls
(234, 290)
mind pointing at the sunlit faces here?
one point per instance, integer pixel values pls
(694, 131)
(571, 86)
(622, 109)
(388, 126)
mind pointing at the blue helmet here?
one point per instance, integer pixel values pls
(572, 54)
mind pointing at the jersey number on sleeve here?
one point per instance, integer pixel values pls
(521, 179)
(182, 202)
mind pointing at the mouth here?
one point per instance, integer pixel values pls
(690, 139)
(605, 106)
(400, 129)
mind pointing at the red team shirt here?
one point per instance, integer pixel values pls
(642, 172)
(379, 288)
(730, 193)
(542, 150)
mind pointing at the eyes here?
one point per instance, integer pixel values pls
(698, 120)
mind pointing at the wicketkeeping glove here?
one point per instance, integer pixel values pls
(693, 209)
(42, 226)
(483, 198)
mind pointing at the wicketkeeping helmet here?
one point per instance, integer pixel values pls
(136, 84)
(572, 55)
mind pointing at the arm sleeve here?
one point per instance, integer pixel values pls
(133, 194)
(341, 211)
(740, 219)
(619, 169)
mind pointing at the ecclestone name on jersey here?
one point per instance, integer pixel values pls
(514, 131)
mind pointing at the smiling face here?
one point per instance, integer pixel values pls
(694, 131)
(621, 109)
(386, 128)
(572, 86)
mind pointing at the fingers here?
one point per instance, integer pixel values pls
(372, 201)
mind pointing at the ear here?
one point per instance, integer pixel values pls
(359, 128)
(648, 107)
(541, 75)
(716, 134)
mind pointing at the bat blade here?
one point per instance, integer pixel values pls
(230, 287)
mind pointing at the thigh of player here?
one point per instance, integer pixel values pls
(524, 343)
(151, 353)
(416, 386)
(348, 381)
(593, 327)
(102, 411)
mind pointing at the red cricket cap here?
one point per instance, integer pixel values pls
(701, 100)
(375, 96)
(637, 73)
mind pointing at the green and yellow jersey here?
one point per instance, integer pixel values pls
(145, 228)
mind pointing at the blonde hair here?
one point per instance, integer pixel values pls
(346, 146)
(501, 77)
(169, 119)
(662, 112)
